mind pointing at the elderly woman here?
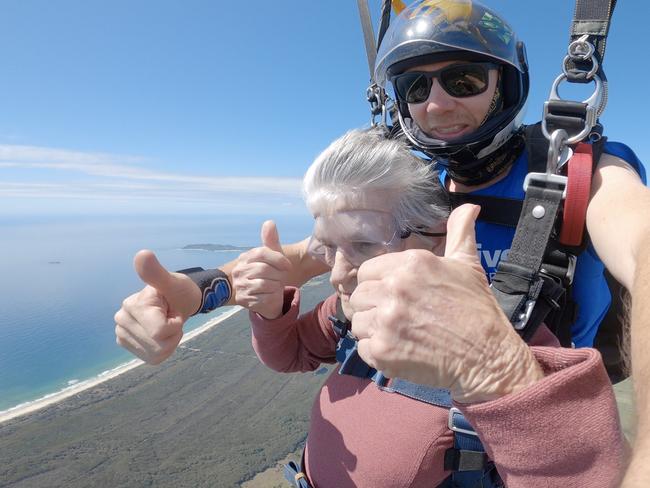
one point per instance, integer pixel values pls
(371, 196)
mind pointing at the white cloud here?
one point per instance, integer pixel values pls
(100, 176)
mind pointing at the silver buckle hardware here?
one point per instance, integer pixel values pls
(525, 315)
(453, 411)
(546, 178)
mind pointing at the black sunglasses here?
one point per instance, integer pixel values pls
(458, 80)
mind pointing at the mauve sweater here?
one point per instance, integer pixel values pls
(563, 431)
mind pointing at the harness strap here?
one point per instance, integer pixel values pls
(468, 458)
(518, 283)
(494, 210)
(577, 196)
(385, 21)
(590, 18)
(293, 474)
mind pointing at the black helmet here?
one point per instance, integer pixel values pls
(430, 31)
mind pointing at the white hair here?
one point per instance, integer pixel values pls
(366, 160)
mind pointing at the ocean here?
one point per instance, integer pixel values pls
(65, 277)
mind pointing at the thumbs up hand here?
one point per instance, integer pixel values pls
(259, 278)
(150, 322)
(434, 321)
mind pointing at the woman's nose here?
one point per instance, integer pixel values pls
(342, 271)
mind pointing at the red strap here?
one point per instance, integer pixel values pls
(577, 195)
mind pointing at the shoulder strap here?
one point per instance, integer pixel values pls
(536, 148)
(495, 210)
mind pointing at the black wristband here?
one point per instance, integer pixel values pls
(214, 285)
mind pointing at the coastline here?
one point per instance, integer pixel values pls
(58, 396)
(210, 415)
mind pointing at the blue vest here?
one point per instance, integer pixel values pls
(590, 289)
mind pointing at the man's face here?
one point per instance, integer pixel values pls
(445, 117)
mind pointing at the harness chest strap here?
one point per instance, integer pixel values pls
(524, 293)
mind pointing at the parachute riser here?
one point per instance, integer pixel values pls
(375, 94)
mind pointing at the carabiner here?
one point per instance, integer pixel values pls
(557, 146)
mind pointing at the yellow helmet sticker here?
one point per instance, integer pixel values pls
(398, 6)
(448, 10)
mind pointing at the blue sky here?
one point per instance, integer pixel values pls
(196, 106)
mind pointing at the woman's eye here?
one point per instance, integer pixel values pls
(366, 248)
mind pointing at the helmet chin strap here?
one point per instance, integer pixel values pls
(463, 163)
(464, 167)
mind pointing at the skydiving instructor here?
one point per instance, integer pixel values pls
(460, 79)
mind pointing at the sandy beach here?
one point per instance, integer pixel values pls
(77, 388)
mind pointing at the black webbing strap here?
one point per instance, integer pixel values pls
(385, 21)
(533, 233)
(565, 114)
(591, 18)
(524, 293)
(536, 147)
(495, 210)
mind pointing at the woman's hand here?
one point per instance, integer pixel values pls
(433, 320)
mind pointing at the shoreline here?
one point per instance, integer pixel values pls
(57, 396)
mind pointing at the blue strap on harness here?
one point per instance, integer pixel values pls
(294, 475)
(467, 460)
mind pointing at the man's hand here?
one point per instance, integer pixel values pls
(150, 322)
(259, 278)
(433, 320)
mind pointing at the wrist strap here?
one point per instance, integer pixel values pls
(214, 285)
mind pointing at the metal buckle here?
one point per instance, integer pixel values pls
(581, 49)
(558, 151)
(591, 111)
(377, 99)
(591, 117)
(546, 178)
(571, 268)
(525, 315)
(558, 155)
(452, 425)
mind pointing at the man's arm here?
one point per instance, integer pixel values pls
(638, 472)
(618, 218)
(618, 221)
